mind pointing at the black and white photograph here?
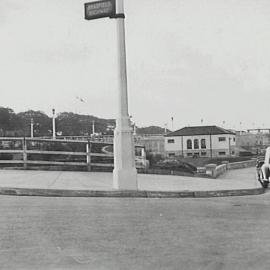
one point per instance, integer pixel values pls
(134, 134)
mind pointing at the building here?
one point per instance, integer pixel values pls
(154, 144)
(200, 141)
(254, 141)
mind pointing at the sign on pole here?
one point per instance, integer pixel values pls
(99, 9)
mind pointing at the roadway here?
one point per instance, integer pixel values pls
(135, 233)
(110, 233)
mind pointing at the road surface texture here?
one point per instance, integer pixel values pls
(125, 233)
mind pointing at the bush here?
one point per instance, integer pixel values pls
(176, 165)
(153, 159)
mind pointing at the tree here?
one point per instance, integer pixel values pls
(77, 125)
(9, 121)
(42, 123)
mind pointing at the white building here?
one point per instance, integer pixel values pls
(200, 141)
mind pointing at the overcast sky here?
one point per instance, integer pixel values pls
(190, 59)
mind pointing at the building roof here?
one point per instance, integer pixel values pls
(200, 130)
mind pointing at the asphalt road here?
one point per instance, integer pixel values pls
(105, 233)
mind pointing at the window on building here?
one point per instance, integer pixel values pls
(221, 139)
(171, 154)
(234, 139)
(203, 154)
(222, 153)
(170, 140)
(203, 144)
(189, 154)
(232, 152)
(196, 144)
(189, 144)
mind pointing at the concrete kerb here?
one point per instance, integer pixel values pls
(128, 193)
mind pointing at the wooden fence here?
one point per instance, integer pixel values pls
(28, 151)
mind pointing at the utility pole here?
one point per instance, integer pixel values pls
(124, 173)
(53, 124)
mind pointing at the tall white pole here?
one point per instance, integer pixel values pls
(93, 127)
(53, 123)
(124, 173)
(32, 128)
(134, 130)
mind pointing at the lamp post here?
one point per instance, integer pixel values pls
(165, 128)
(134, 129)
(53, 123)
(172, 122)
(229, 146)
(93, 127)
(32, 128)
(124, 173)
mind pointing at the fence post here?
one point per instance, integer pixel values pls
(24, 153)
(88, 155)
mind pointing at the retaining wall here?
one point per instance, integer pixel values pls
(241, 164)
(213, 170)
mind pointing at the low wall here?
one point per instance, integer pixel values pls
(163, 172)
(241, 164)
(221, 169)
(214, 171)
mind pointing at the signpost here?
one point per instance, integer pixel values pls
(99, 9)
(124, 173)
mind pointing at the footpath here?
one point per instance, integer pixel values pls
(95, 184)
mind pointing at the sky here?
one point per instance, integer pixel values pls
(198, 61)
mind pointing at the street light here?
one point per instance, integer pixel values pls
(230, 146)
(32, 127)
(124, 173)
(165, 128)
(53, 123)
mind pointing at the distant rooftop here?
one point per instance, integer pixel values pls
(200, 130)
